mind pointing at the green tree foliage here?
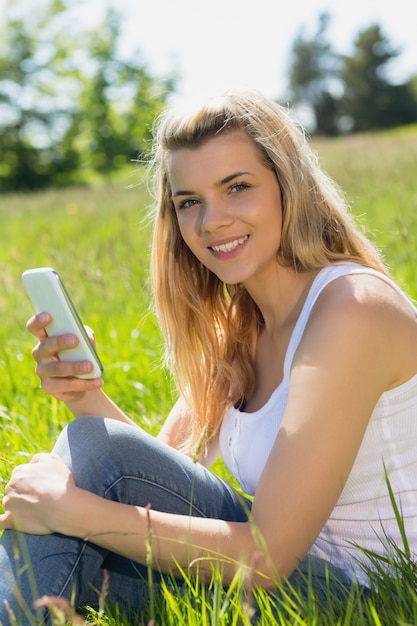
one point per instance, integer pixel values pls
(32, 101)
(313, 68)
(69, 105)
(349, 92)
(370, 101)
(117, 104)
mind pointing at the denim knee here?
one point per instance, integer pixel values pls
(83, 446)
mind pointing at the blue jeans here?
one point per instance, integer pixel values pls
(122, 463)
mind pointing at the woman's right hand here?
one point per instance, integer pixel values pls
(59, 378)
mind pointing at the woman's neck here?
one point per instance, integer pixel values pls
(281, 298)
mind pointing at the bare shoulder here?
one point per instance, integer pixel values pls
(363, 312)
(365, 294)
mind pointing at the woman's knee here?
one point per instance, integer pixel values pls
(79, 437)
(93, 448)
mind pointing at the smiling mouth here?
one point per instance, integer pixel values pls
(231, 245)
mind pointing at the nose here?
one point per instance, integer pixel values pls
(214, 215)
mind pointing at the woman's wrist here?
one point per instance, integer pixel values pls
(98, 404)
(89, 404)
(71, 519)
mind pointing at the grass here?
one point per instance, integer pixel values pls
(98, 239)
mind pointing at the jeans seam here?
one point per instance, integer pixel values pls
(159, 486)
(72, 571)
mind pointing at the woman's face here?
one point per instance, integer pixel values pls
(228, 206)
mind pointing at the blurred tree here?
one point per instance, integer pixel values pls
(313, 69)
(349, 93)
(32, 103)
(370, 101)
(118, 102)
(412, 83)
(68, 104)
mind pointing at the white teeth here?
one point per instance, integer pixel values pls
(227, 247)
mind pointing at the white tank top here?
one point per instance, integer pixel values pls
(363, 513)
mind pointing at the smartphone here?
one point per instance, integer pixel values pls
(48, 294)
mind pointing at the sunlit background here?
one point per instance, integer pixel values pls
(216, 44)
(82, 81)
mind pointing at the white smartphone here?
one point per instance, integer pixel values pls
(48, 294)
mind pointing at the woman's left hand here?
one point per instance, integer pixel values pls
(34, 497)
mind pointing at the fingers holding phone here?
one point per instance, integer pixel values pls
(48, 293)
(67, 362)
(37, 324)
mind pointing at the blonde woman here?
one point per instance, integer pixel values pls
(295, 356)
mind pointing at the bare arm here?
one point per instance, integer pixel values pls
(356, 346)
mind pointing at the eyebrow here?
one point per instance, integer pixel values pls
(223, 181)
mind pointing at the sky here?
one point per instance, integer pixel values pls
(219, 44)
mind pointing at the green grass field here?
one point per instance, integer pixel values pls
(98, 239)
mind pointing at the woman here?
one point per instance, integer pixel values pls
(295, 357)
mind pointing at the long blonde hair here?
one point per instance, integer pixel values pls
(210, 327)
